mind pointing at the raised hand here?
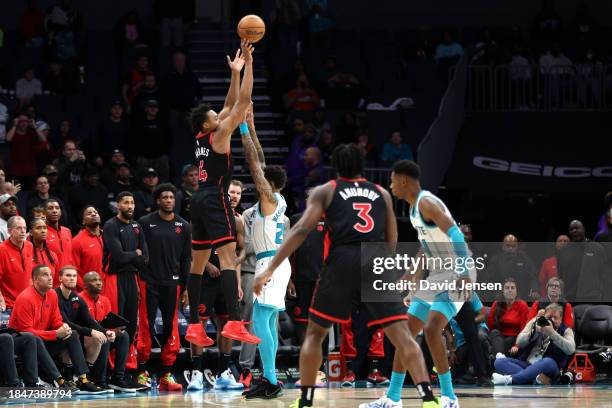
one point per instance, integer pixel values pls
(238, 62)
(247, 51)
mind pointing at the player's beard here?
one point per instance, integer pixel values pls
(126, 215)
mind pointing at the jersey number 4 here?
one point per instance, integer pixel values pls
(364, 215)
(202, 174)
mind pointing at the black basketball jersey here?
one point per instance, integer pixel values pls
(356, 213)
(214, 169)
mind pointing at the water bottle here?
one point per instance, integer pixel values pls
(154, 382)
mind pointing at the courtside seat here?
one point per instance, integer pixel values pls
(595, 329)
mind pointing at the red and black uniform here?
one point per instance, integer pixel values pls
(356, 214)
(160, 283)
(87, 253)
(15, 270)
(306, 263)
(122, 265)
(60, 242)
(45, 256)
(212, 218)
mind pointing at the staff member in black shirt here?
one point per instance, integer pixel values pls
(125, 254)
(76, 314)
(169, 238)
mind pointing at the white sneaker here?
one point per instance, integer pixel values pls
(446, 402)
(209, 377)
(195, 380)
(382, 402)
(500, 355)
(226, 381)
(499, 379)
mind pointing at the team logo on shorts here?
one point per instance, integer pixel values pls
(297, 311)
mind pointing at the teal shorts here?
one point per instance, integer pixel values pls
(442, 304)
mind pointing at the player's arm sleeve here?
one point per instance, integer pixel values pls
(186, 255)
(113, 243)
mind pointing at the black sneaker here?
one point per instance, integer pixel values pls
(104, 386)
(484, 382)
(265, 390)
(69, 385)
(120, 384)
(133, 384)
(88, 388)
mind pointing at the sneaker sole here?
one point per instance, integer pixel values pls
(239, 338)
(125, 390)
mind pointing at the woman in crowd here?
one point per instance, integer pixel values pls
(506, 319)
(554, 294)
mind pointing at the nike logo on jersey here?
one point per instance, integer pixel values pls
(152, 225)
(359, 192)
(12, 259)
(91, 245)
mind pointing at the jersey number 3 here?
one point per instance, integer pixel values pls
(364, 214)
(202, 174)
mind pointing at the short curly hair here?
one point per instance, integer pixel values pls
(198, 116)
(276, 175)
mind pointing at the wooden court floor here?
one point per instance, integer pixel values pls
(523, 397)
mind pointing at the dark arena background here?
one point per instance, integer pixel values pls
(506, 107)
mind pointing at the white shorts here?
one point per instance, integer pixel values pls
(273, 293)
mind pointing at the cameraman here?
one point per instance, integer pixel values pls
(545, 345)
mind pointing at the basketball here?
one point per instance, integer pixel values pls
(252, 28)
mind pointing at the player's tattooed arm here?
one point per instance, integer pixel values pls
(250, 118)
(431, 211)
(262, 185)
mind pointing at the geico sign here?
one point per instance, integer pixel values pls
(531, 169)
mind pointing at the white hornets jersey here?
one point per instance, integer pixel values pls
(268, 232)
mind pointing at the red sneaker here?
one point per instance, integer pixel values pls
(377, 378)
(168, 383)
(196, 335)
(235, 330)
(245, 378)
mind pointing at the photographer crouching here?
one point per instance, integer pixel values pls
(545, 345)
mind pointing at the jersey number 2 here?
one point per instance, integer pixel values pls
(202, 175)
(364, 214)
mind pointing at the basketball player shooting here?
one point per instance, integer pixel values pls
(213, 222)
(352, 219)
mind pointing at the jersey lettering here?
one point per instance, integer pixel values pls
(364, 214)
(202, 175)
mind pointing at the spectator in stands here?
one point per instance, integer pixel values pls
(314, 167)
(547, 24)
(513, 262)
(113, 132)
(326, 144)
(506, 319)
(129, 32)
(348, 128)
(320, 122)
(605, 239)
(4, 117)
(582, 266)
(110, 169)
(520, 75)
(87, 246)
(134, 81)
(24, 141)
(89, 192)
(149, 91)
(319, 28)
(395, 150)
(150, 142)
(42, 254)
(554, 62)
(8, 209)
(302, 98)
(285, 20)
(181, 88)
(554, 294)
(50, 171)
(99, 307)
(369, 150)
(603, 225)
(44, 153)
(64, 134)
(169, 14)
(39, 197)
(71, 166)
(188, 187)
(37, 311)
(448, 49)
(27, 87)
(59, 238)
(33, 26)
(58, 81)
(486, 51)
(343, 91)
(122, 181)
(545, 349)
(549, 265)
(14, 276)
(143, 198)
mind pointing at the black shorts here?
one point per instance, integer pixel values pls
(303, 299)
(212, 300)
(212, 219)
(338, 292)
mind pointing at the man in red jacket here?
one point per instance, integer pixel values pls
(59, 239)
(87, 246)
(37, 311)
(15, 263)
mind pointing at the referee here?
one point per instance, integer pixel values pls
(125, 254)
(169, 238)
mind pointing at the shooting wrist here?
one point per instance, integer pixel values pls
(244, 129)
